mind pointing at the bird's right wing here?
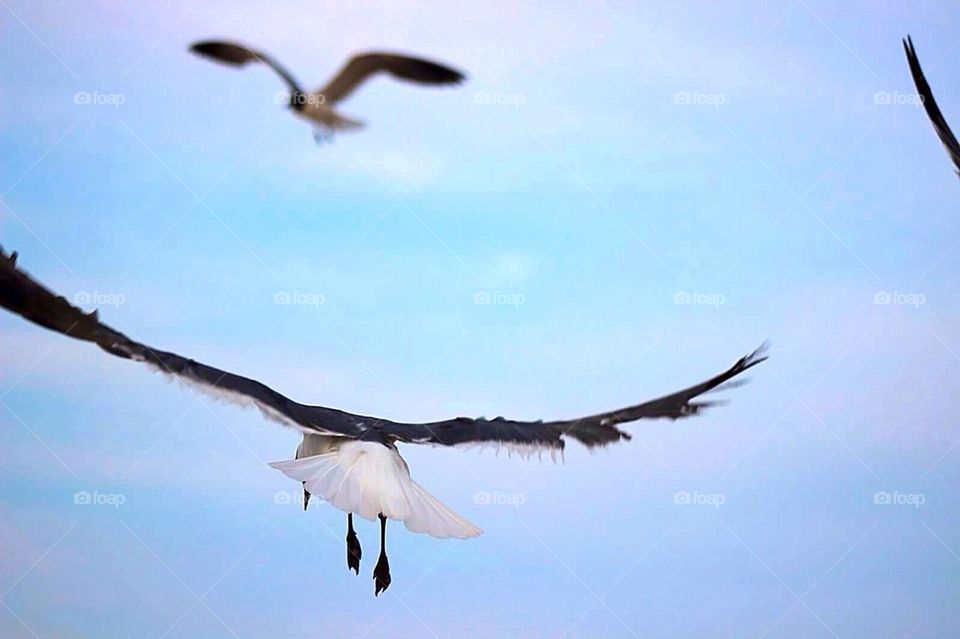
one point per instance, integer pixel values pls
(930, 105)
(591, 431)
(238, 55)
(21, 294)
(362, 66)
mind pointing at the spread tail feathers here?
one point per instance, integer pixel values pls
(369, 479)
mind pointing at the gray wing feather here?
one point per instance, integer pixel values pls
(362, 66)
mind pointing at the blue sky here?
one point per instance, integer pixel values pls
(767, 161)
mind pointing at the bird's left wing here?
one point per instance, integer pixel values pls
(21, 294)
(930, 105)
(362, 66)
(591, 431)
(238, 55)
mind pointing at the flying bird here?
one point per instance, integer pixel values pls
(318, 106)
(351, 460)
(930, 105)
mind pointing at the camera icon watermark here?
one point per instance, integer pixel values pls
(95, 498)
(696, 298)
(97, 298)
(495, 498)
(299, 99)
(697, 498)
(282, 498)
(498, 298)
(896, 298)
(495, 98)
(698, 98)
(298, 298)
(896, 498)
(896, 98)
(96, 98)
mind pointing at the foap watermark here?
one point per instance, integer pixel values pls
(495, 498)
(696, 498)
(282, 498)
(495, 98)
(896, 498)
(498, 298)
(298, 298)
(697, 98)
(897, 98)
(95, 498)
(896, 298)
(299, 99)
(696, 298)
(98, 98)
(97, 298)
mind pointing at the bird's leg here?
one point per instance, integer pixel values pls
(322, 134)
(353, 547)
(306, 495)
(381, 574)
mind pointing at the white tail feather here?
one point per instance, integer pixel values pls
(367, 478)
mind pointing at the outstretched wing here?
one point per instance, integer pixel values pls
(21, 294)
(591, 431)
(238, 55)
(362, 66)
(28, 298)
(933, 111)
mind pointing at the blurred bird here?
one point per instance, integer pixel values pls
(930, 105)
(351, 460)
(318, 106)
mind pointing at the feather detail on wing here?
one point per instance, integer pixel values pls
(594, 430)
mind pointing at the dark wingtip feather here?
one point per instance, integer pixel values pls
(940, 126)
(436, 73)
(447, 75)
(416, 69)
(758, 356)
(225, 52)
(695, 408)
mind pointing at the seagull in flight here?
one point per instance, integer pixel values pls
(350, 460)
(940, 125)
(318, 106)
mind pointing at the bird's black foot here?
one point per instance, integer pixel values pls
(381, 574)
(306, 496)
(354, 552)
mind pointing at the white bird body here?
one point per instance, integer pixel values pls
(369, 478)
(318, 113)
